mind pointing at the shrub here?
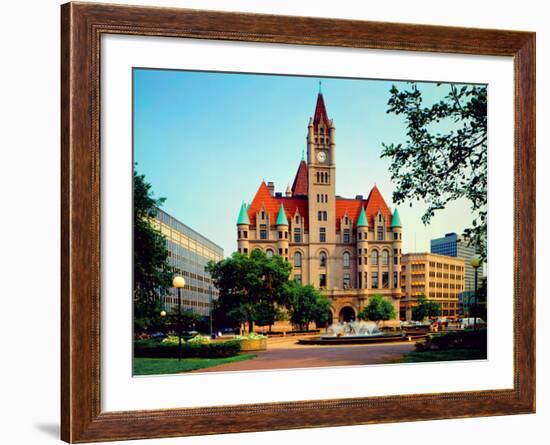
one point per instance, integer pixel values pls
(155, 349)
(251, 336)
(469, 339)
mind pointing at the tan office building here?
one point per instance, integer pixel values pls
(439, 277)
(350, 248)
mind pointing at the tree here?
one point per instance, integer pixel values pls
(189, 320)
(424, 308)
(378, 309)
(306, 304)
(445, 156)
(480, 309)
(249, 284)
(152, 276)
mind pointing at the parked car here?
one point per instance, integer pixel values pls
(467, 323)
(158, 336)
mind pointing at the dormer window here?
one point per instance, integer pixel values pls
(297, 219)
(263, 214)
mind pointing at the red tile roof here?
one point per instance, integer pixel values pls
(372, 204)
(320, 113)
(352, 207)
(299, 186)
(271, 205)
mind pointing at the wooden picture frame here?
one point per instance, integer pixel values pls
(82, 26)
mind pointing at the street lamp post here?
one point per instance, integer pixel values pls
(162, 316)
(210, 307)
(179, 284)
(475, 263)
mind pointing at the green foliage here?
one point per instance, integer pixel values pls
(306, 304)
(468, 339)
(251, 287)
(378, 309)
(444, 355)
(424, 308)
(152, 275)
(479, 309)
(249, 336)
(156, 349)
(445, 156)
(189, 320)
(152, 366)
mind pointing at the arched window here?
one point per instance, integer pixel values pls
(326, 177)
(323, 259)
(297, 259)
(374, 257)
(385, 257)
(269, 253)
(318, 177)
(345, 259)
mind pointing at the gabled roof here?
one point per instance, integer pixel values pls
(243, 215)
(376, 202)
(320, 113)
(272, 205)
(372, 204)
(299, 186)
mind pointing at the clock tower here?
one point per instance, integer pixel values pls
(321, 158)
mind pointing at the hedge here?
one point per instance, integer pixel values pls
(469, 339)
(156, 349)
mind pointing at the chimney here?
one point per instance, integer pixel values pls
(271, 187)
(359, 197)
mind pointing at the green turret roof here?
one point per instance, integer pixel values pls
(281, 218)
(362, 221)
(243, 215)
(395, 219)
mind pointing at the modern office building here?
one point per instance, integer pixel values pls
(188, 254)
(439, 278)
(457, 246)
(350, 248)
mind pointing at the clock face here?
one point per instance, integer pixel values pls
(321, 156)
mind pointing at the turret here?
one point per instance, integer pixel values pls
(282, 233)
(288, 192)
(243, 227)
(310, 141)
(396, 228)
(362, 249)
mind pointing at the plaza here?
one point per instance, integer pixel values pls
(284, 353)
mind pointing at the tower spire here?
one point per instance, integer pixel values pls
(320, 88)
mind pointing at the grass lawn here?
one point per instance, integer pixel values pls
(444, 356)
(149, 366)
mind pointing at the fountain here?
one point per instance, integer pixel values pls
(353, 329)
(358, 332)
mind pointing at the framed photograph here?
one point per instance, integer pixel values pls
(274, 222)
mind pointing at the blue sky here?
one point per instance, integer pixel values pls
(206, 140)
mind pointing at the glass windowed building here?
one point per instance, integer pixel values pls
(457, 246)
(188, 254)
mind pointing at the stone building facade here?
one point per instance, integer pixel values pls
(439, 277)
(349, 248)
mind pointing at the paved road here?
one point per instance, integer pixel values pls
(290, 355)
